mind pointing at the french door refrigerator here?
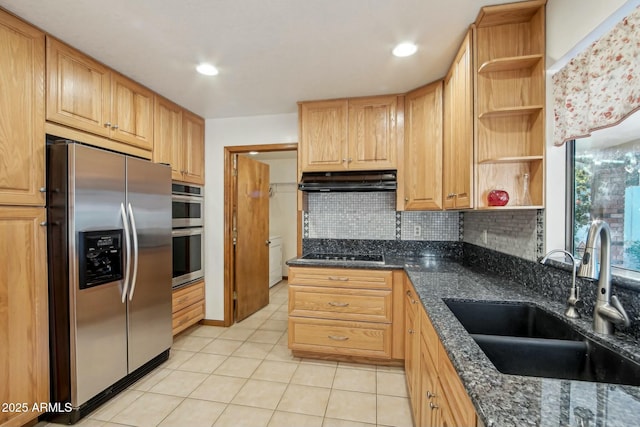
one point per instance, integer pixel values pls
(110, 269)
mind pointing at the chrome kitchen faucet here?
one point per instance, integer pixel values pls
(608, 310)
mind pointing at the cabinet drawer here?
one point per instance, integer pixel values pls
(340, 337)
(186, 296)
(340, 277)
(340, 303)
(187, 317)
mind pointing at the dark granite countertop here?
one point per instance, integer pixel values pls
(501, 399)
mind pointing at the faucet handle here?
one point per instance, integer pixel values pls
(616, 303)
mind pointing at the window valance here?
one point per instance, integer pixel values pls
(599, 87)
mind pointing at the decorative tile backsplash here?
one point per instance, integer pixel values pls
(518, 233)
(372, 216)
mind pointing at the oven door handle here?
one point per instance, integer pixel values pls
(136, 252)
(127, 253)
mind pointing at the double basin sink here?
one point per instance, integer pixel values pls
(524, 339)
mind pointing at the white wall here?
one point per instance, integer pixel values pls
(571, 26)
(283, 215)
(219, 133)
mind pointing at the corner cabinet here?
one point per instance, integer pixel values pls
(24, 332)
(458, 129)
(341, 312)
(86, 95)
(22, 74)
(510, 103)
(421, 168)
(437, 395)
(348, 134)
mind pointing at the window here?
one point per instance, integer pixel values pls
(604, 175)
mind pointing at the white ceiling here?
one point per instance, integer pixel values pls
(270, 53)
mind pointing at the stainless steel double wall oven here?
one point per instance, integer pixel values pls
(188, 242)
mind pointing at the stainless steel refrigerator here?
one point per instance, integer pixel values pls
(109, 241)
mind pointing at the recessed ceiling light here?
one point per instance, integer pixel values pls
(207, 69)
(253, 153)
(405, 49)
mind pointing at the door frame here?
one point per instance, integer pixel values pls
(230, 194)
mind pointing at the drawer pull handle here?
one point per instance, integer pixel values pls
(338, 337)
(433, 406)
(409, 294)
(411, 331)
(430, 395)
(339, 279)
(338, 304)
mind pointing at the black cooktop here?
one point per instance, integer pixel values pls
(345, 257)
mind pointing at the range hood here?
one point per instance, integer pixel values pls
(349, 181)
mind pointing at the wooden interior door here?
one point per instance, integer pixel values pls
(252, 241)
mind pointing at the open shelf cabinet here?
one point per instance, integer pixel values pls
(510, 102)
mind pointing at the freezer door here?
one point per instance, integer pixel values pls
(97, 315)
(149, 299)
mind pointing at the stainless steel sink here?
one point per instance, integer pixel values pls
(523, 339)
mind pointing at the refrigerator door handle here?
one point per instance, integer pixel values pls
(136, 252)
(127, 240)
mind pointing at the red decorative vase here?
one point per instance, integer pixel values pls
(498, 198)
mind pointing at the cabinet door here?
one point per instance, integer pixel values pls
(24, 348)
(22, 145)
(323, 136)
(372, 133)
(423, 148)
(412, 349)
(428, 398)
(167, 136)
(456, 406)
(458, 130)
(192, 148)
(131, 113)
(78, 90)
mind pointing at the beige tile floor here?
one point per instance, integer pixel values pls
(246, 376)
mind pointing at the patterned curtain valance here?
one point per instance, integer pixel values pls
(600, 87)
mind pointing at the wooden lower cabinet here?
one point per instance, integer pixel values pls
(412, 347)
(343, 312)
(24, 330)
(437, 395)
(188, 306)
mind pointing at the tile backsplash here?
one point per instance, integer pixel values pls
(518, 233)
(373, 216)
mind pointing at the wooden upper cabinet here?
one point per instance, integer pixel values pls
(86, 95)
(24, 331)
(167, 147)
(458, 129)
(131, 112)
(372, 133)
(22, 145)
(422, 166)
(192, 148)
(179, 141)
(509, 69)
(323, 135)
(348, 134)
(78, 89)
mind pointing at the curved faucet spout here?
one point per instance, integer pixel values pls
(605, 314)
